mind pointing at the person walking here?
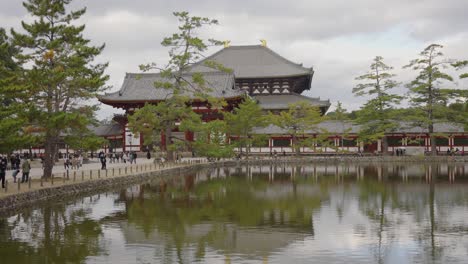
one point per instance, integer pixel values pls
(66, 163)
(80, 161)
(3, 167)
(26, 167)
(103, 163)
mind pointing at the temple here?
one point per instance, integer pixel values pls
(275, 82)
(272, 80)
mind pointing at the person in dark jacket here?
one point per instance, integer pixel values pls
(3, 167)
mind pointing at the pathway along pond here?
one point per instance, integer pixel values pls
(408, 213)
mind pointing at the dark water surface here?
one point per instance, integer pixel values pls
(410, 213)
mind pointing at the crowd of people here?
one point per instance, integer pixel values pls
(73, 162)
(114, 157)
(18, 164)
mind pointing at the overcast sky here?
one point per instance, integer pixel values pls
(338, 38)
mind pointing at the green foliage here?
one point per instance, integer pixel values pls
(377, 116)
(186, 48)
(300, 118)
(242, 121)
(13, 106)
(78, 135)
(211, 140)
(460, 65)
(427, 90)
(60, 74)
(150, 120)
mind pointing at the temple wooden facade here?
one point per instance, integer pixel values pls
(275, 82)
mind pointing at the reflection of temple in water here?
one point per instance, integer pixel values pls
(229, 239)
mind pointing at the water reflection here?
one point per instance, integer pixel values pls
(331, 213)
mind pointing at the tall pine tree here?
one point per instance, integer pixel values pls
(376, 116)
(427, 90)
(62, 74)
(13, 107)
(186, 48)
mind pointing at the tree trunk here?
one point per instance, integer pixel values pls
(50, 149)
(385, 146)
(295, 147)
(168, 135)
(433, 140)
(432, 217)
(247, 147)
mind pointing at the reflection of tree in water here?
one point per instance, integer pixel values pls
(375, 199)
(222, 204)
(380, 199)
(58, 234)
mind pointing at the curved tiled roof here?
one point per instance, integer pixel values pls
(338, 127)
(112, 129)
(254, 61)
(282, 101)
(140, 87)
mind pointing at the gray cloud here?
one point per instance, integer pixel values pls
(339, 38)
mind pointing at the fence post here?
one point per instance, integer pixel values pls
(42, 178)
(52, 179)
(19, 185)
(64, 177)
(113, 172)
(82, 175)
(29, 182)
(74, 176)
(90, 174)
(6, 186)
(99, 173)
(120, 171)
(125, 170)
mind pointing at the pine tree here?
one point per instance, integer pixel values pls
(62, 74)
(13, 107)
(376, 116)
(186, 48)
(427, 92)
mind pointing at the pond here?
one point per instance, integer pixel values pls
(322, 213)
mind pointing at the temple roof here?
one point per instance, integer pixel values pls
(112, 129)
(282, 101)
(139, 87)
(348, 127)
(254, 61)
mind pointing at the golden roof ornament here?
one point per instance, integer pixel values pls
(227, 43)
(264, 42)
